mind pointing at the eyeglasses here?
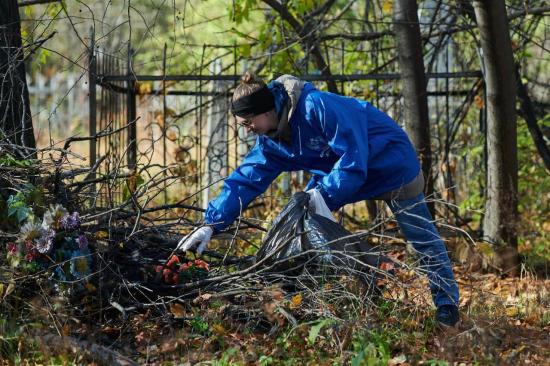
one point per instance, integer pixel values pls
(245, 122)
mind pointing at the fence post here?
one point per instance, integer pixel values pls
(131, 114)
(92, 104)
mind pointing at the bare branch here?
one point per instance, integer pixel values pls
(22, 3)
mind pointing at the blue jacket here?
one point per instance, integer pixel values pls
(353, 150)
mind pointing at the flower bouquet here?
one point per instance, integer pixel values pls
(176, 272)
(55, 242)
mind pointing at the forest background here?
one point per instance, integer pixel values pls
(124, 108)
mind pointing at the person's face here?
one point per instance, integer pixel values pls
(259, 124)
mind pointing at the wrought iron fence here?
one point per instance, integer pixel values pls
(186, 133)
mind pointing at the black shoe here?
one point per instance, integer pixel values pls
(447, 315)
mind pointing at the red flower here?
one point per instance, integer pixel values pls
(173, 260)
(29, 246)
(29, 257)
(199, 263)
(170, 270)
(12, 247)
(170, 276)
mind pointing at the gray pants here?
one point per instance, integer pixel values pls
(405, 192)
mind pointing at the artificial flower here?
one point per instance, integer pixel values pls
(29, 246)
(30, 231)
(199, 263)
(60, 273)
(174, 259)
(12, 247)
(80, 264)
(82, 241)
(53, 216)
(45, 243)
(70, 222)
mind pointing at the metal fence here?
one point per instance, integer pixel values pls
(187, 131)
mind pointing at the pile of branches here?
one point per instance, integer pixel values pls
(136, 269)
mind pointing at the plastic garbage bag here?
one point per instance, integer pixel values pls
(298, 237)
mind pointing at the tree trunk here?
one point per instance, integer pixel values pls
(501, 215)
(411, 65)
(15, 113)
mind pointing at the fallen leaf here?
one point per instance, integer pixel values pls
(202, 298)
(140, 337)
(387, 266)
(397, 360)
(479, 102)
(218, 329)
(296, 301)
(110, 330)
(274, 293)
(102, 234)
(512, 311)
(169, 346)
(177, 310)
(66, 330)
(143, 88)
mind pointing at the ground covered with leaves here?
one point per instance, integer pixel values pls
(106, 287)
(504, 321)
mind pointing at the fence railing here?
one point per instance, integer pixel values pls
(189, 132)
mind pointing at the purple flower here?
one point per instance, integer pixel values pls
(82, 241)
(65, 221)
(70, 222)
(45, 243)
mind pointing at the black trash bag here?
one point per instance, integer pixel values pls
(299, 237)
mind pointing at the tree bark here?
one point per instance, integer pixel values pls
(501, 214)
(15, 113)
(411, 65)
